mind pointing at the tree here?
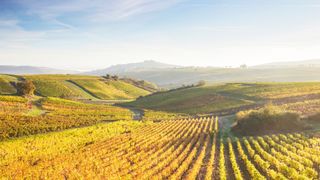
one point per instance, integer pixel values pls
(201, 83)
(26, 88)
(108, 76)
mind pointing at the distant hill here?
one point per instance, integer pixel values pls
(32, 70)
(291, 64)
(78, 87)
(171, 76)
(174, 77)
(133, 67)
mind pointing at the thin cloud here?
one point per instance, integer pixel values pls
(12, 35)
(221, 28)
(6, 23)
(105, 10)
(128, 8)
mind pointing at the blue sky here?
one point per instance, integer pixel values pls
(91, 34)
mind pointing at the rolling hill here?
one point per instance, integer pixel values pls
(76, 87)
(228, 97)
(6, 84)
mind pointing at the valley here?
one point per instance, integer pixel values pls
(90, 127)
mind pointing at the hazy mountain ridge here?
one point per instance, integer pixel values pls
(174, 76)
(291, 64)
(167, 75)
(177, 77)
(5, 69)
(133, 67)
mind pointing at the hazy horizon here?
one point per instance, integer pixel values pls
(95, 34)
(86, 69)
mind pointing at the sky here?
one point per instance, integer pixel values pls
(93, 34)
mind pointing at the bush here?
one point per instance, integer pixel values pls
(270, 119)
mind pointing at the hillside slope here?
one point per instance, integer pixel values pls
(210, 99)
(6, 86)
(77, 87)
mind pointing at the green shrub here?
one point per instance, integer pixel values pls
(269, 119)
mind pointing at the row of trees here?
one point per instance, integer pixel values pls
(114, 77)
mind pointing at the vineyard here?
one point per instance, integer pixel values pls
(43, 137)
(305, 107)
(54, 114)
(84, 87)
(178, 149)
(78, 86)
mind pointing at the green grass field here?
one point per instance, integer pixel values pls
(5, 84)
(191, 100)
(214, 98)
(270, 90)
